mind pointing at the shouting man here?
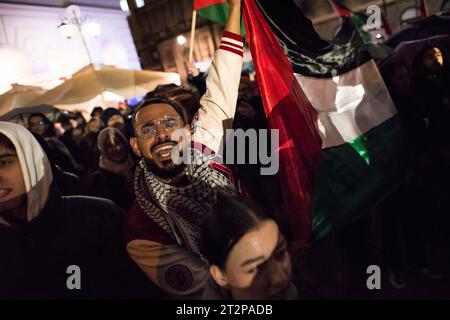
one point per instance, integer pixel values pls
(173, 199)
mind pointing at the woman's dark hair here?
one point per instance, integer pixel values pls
(50, 132)
(6, 143)
(96, 109)
(230, 219)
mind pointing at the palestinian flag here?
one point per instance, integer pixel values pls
(214, 10)
(340, 142)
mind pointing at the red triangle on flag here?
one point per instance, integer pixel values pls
(200, 4)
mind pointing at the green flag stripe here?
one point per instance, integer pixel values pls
(359, 144)
(347, 186)
(218, 13)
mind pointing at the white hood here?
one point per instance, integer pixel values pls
(37, 173)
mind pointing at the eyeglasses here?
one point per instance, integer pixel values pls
(169, 123)
(39, 123)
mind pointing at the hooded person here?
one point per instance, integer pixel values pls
(22, 199)
(53, 246)
(113, 178)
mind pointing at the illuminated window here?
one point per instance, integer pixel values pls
(139, 3)
(408, 15)
(124, 5)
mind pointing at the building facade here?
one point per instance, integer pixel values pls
(33, 51)
(156, 24)
(156, 27)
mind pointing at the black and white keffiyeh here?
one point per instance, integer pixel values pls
(181, 211)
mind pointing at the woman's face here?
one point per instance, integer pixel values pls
(433, 60)
(259, 266)
(94, 126)
(115, 148)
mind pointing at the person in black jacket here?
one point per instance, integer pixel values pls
(88, 144)
(68, 184)
(113, 178)
(51, 246)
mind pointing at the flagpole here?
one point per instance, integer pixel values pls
(191, 43)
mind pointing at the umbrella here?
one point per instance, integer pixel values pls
(429, 27)
(19, 113)
(18, 96)
(407, 51)
(91, 81)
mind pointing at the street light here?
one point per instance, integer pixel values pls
(181, 40)
(72, 23)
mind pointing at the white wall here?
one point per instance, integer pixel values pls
(32, 51)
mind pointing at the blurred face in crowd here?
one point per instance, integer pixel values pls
(433, 60)
(97, 114)
(81, 121)
(258, 266)
(401, 80)
(154, 126)
(94, 125)
(73, 123)
(37, 125)
(116, 148)
(245, 92)
(245, 109)
(12, 186)
(116, 121)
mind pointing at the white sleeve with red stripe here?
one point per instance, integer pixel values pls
(218, 104)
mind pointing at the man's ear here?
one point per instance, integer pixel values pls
(219, 277)
(135, 146)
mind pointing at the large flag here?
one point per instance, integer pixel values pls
(339, 135)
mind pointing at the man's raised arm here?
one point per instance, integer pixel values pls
(218, 104)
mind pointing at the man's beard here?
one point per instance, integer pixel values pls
(164, 173)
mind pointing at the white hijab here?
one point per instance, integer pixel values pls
(36, 170)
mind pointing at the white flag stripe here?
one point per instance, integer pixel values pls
(350, 104)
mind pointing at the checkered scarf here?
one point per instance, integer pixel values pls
(181, 211)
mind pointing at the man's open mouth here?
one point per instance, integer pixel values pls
(164, 151)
